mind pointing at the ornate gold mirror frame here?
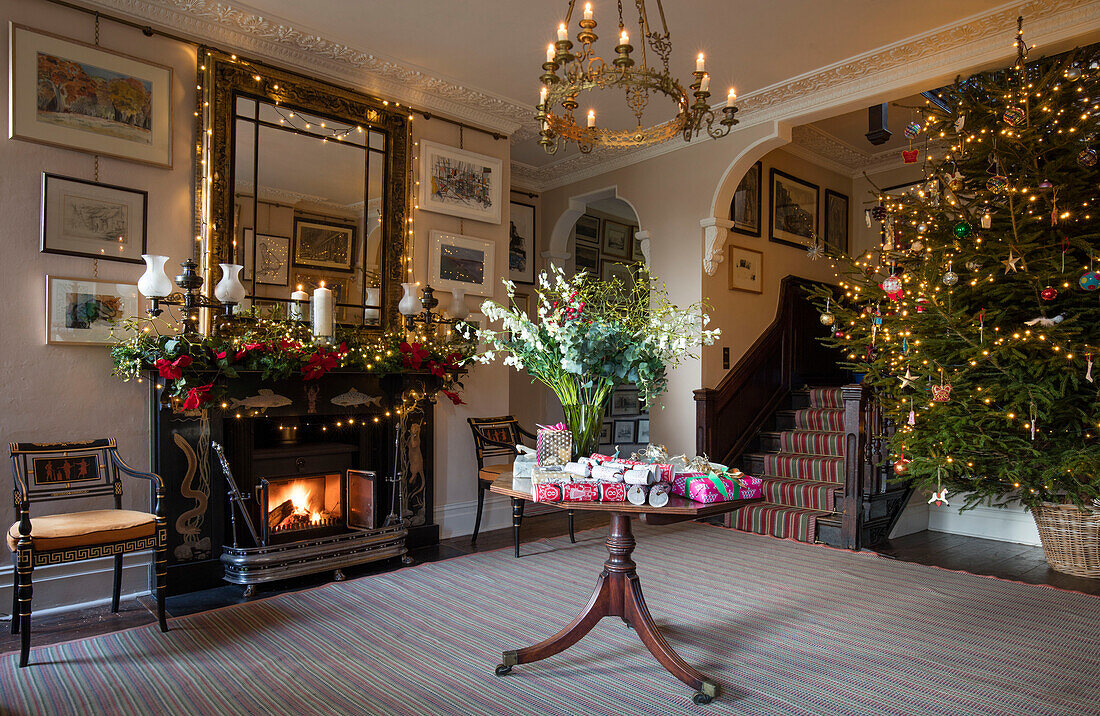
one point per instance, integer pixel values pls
(223, 78)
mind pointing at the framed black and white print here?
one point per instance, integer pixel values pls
(745, 207)
(605, 433)
(323, 244)
(616, 239)
(624, 401)
(87, 218)
(587, 230)
(836, 221)
(521, 243)
(623, 432)
(793, 210)
(587, 258)
(643, 431)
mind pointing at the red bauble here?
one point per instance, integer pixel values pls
(901, 466)
(1049, 293)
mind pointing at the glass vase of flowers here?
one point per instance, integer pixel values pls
(590, 336)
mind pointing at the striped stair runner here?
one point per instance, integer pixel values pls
(801, 479)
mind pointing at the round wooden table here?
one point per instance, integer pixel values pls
(618, 591)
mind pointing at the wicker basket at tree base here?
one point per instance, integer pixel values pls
(1071, 538)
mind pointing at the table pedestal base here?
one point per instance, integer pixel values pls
(618, 594)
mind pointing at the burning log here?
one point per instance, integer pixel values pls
(278, 515)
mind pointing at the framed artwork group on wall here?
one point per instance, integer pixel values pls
(460, 183)
(521, 243)
(91, 219)
(793, 210)
(456, 261)
(56, 98)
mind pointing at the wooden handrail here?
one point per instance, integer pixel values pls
(729, 415)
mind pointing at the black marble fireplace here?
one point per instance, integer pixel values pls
(314, 464)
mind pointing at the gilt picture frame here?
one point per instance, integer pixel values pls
(460, 183)
(83, 311)
(92, 219)
(132, 121)
(793, 214)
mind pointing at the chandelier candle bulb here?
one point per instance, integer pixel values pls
(563, 33)
(624, 38)
(730, 97)
(700, 63)
(588, 11)
(704, 85)
(591, 119)
(549, 58)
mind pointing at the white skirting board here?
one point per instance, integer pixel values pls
(1007, 524)
(61, 587)
(457, 518)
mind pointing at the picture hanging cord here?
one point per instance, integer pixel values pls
(148, 31)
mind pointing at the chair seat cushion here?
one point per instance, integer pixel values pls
(81, 529)
(490, 473)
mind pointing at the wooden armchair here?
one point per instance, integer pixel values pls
(495, 441)
(45, 472)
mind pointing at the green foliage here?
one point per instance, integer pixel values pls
(1022, 420)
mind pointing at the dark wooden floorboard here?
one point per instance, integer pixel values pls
(1006, 560)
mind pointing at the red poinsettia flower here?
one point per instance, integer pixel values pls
(197, 396)
(435, 368)
(221, 355)
(172, 369)
(413, 356)
(452, 360)
(289, 345)
(250, 347)
(319, 363)
(455, 398)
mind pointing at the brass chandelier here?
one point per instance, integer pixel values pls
(567, 74)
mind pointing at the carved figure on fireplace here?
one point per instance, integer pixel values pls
(264, 398)
(353, 398)
(189, 523)
(416, 475)
(312, 392)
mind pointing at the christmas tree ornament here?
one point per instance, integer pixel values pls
(1049, 293)
(1044, 322)
(997, 183)
(878, 212)
(901, 465)
(816, 250)
(912, 414)
(963, 229)
(1088, 368)
(1087, 158)
(1045, 184)
(1034, 415)
(941, 393)
(981, 326)
(1090, 281)
(973, 265)
(950, 278)
(922, 304)
(987, 220)
(907, 379)
(891, 284)
(827, 318)
(1073, 72)
(1010, 262)
(912, 130)
(909, 156)
(917, 246)
(1014, 116)
(939, 498)
(922, 227)
(960, 123)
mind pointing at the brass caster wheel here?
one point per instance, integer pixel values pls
(249, 591)
(503, 670)
(701, 698)
(338, 575)
(407, 560)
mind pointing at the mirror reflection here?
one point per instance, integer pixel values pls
(307, 208)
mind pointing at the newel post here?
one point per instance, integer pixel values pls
(855, 436)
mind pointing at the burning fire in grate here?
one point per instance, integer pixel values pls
(300, 504)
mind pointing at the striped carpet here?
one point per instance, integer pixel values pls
(800, 481)
(865, 637)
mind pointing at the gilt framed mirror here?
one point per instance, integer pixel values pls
(305, 182)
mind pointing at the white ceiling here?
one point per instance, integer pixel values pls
(497, 47)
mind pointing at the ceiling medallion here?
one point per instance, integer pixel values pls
(586, 71)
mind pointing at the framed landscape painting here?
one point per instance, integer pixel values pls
(836, 221)
(324, 245)
(78, 96)
(745, 207)
(83, 311)
(521, 243)
(460, 183)
(456, 261)
(616, 239)
(86, 218)
(793, 210)
(587, 230)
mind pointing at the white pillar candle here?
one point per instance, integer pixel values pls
(588, 11)
(700, 63)
(591, 118)
(730, 97)
(563, 34)
(296, 300)
(550, 52)
(322, 311)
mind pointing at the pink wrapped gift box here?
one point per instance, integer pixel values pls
(712, 487)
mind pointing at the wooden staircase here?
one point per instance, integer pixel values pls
(819, 450)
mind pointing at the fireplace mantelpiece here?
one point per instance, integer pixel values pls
(267, 420)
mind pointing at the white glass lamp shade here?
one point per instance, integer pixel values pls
(230, 289)
(458, 309)
(154, 283)
(372, 315)
(410, 303)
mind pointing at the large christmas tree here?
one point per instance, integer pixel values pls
(978, 318)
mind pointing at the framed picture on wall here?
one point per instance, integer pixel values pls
(836, 221)
(637, 254)
(587, 258)
(745, 269)
(456, 261)
(521, 243)
(272, 259)
(605, 433)
(643, 431)
(745, 207)
(624, 401)
(57, 97)
(84, 311)
(623, 432)
(459, 183)
(323, 244)
(616, 239)
(793, 210)
(87, 218)
(587, 230)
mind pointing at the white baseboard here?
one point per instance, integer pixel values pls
(62, 587)
(1007, 524)
(913, 518)
(457, 518)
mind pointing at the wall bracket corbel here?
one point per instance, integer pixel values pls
(715, 231)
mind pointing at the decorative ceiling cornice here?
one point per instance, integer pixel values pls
(817, 145)
(242, 29)
(938, 53)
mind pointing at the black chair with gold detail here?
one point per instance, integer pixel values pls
(495, 441)
(45, 472)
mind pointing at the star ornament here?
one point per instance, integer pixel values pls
(907, 379)
(940, 498)
(1010, 262)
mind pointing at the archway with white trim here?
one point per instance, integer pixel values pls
(563, 227)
